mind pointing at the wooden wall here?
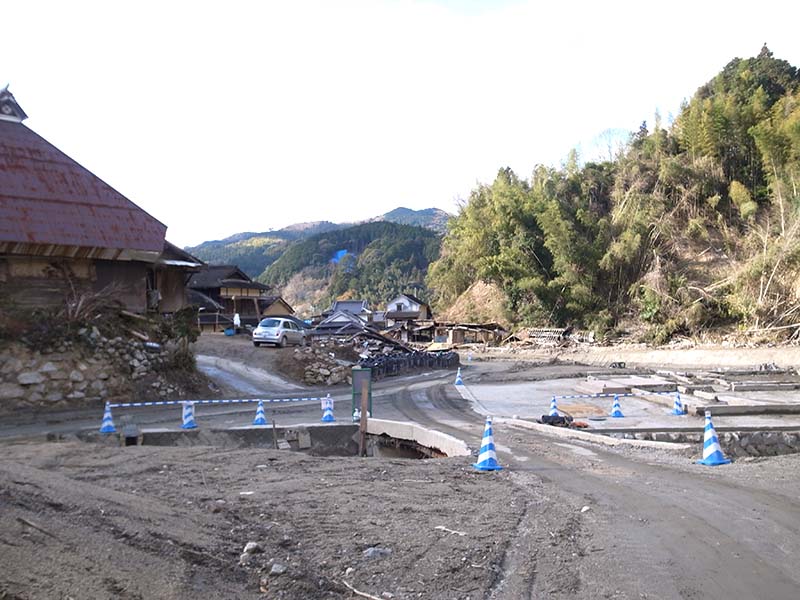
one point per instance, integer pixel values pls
(37, 282)
(129, 278)
(173, 291)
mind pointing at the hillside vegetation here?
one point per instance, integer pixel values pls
(254, 252)
(372, 261)
(692, 225)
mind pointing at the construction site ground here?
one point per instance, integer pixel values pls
(563, 519)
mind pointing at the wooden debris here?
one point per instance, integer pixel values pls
(453, 531)
(359, 593)
(138, 334)
(33, 525)
(132, 315)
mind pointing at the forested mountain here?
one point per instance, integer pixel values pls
(373, 261)
(254, 252)
(694, 224)
(432, 218)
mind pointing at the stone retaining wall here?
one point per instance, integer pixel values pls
(76, 373)
(734, 444)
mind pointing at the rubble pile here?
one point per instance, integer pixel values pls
(548, 337)
(735, 444)
(322, 366)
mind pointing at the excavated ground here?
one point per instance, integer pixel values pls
(85, 521)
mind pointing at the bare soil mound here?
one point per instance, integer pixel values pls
(480, 303)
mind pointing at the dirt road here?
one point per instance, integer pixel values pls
(562, 520)
(659, 526)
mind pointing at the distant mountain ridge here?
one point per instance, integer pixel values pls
(254, 252)
(430, 218)
(372, 261)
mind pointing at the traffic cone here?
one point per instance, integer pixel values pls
(459, 381)
(108, 423)
(356, 415)
(553, 408)
(261, 418)
(616, 409)
(677, 406)
(327, 410)
(712, 453)
(487, 458)
(188, 416)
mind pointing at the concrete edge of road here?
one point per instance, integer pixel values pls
(585, 436)
(430, 438)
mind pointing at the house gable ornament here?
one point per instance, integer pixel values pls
(9, 109)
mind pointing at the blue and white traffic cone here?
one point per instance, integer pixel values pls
(327, 409)
(459, 381)
(188, 416)
(487, 457)
(677, 406)
(712, 452)
(108, 423)
(616, 409)
(553, 407)
(261, 418)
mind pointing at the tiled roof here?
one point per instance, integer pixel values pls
(213, 275)
(46, 198)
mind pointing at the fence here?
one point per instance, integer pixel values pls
(572, 396)
(611, 395)
(107, 425)
(229, 401)
(397, 364)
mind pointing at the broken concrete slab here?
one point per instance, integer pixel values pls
(763, 386)
(598, 386)
(705, 395)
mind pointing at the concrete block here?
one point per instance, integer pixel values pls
(303, 439)
(598, 386)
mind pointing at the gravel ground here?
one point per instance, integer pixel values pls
(86, 521)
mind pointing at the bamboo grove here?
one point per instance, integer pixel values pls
(692, 225)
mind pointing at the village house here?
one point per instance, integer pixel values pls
(344, 317)
(406, 307)
(222, 291)
(359, 308)
(63, 230)
(340, 323)
(409, 319)
(455, 334)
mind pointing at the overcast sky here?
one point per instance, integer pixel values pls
(221, 117)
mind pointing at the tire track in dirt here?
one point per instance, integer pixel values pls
(541, 555)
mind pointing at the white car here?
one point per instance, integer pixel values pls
(280, 332)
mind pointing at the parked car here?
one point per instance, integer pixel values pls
(278, 331)
(299, 322)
